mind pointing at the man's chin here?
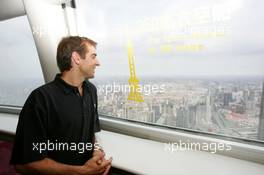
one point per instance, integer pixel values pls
(90, 77)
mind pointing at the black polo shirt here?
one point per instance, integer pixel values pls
(56, 122)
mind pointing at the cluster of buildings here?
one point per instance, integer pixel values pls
(224, 107)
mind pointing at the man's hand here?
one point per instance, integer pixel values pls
(98, 152)
(97, 164)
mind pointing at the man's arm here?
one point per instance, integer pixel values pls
(51, 167)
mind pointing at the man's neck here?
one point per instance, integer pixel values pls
(72, 79)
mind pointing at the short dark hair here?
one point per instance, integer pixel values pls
(68, 45)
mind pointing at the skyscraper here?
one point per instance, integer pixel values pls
(261, 117)
(227, 98)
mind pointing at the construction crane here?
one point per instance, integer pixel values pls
(134, 94)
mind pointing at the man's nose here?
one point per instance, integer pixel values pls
(97, 62)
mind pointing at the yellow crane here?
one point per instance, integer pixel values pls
(134, 94)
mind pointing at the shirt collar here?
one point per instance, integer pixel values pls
(67, 88)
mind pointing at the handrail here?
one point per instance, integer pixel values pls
(10, 109)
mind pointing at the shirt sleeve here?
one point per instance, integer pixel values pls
(31, 133)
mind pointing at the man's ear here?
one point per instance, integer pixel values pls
(75, 58)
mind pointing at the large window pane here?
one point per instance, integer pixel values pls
(196, 65)
(20, 70)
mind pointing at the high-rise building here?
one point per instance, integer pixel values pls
(208, 108)
(227, 98)
(261, 117)
(181, 118)
(191, 116)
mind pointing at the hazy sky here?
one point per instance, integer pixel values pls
(239, 52)
(19, 57)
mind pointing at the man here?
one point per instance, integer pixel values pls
(57, 125)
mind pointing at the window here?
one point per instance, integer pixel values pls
(20, 69)
(185, 64)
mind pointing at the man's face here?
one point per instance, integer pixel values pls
(89, 63)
